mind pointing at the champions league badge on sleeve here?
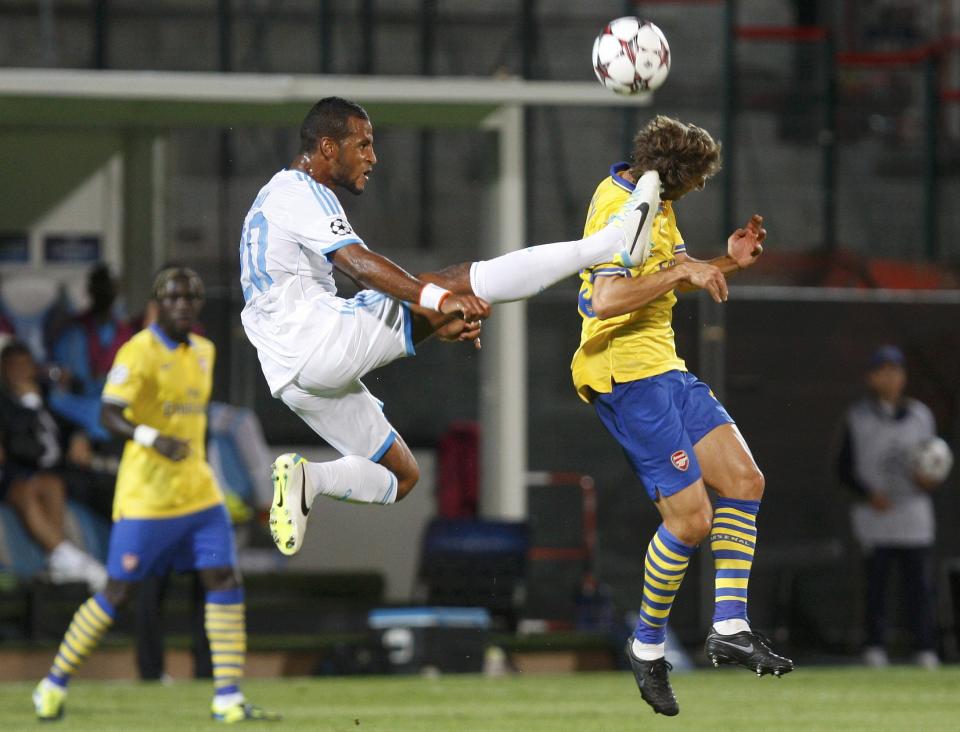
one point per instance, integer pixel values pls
(118, 374)
(340, 227)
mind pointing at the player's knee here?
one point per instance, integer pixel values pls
(693, 527)
(219, 579)
(752, 484)
(699, 526)
(21, 497)
(117, 592)
(49, 485)
(456, 277)
(407, 485)
(408, 480)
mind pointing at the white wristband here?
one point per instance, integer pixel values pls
(145, 435)
(431, 296)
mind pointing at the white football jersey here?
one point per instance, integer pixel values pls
(286, 276)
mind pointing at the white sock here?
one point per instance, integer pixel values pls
(648, 651)
(48, 684)
(528, 272)
(95, 574)
(731, 626)
(66, 557)
(225, 701)
(351, 478)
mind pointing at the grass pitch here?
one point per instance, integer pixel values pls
(821, 699)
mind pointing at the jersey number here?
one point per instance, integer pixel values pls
(253, 255)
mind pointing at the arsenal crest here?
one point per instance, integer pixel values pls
(129, 562)
(680, 460)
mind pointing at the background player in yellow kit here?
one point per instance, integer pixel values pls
(674, 432)
(168, 510)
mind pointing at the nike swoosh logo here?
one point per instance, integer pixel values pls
(303, 497)
(748, 648)
(280, 501)
(645, 208)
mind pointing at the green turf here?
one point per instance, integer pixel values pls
(717, 701)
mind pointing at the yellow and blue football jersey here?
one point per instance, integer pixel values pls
(166, 385)
(635, 345)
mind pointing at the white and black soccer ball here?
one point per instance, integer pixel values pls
(631, 56)
(932, 460)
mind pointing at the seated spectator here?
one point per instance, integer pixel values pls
(85, 349)
(88, 345)
(34, 449)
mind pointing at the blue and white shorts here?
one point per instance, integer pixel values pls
(143, 547)
(371, 331)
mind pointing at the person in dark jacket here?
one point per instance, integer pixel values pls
(34, 449)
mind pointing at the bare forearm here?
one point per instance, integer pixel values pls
(112, 419)
(613, 296)
(378, 273)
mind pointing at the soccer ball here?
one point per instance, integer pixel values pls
(631, 56)
(932, 460)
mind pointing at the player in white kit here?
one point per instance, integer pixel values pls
(314, 346)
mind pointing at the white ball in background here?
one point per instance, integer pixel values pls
(932, 460)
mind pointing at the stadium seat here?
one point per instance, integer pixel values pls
(93, 531)
(26, 558)
(36, 306)
(470, 563)
(227, 464)
(80, 409)
(238, 453)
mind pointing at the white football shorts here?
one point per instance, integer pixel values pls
(372, 330)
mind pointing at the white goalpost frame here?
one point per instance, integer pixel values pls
(497, 105)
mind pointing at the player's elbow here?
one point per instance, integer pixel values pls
(606, 308)
(108, 417)
(603, 307)
(602, 313)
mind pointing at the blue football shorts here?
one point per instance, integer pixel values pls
(144, 547)
(657, 421)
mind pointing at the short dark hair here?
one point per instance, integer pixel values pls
(99, 273)
(683, 154)
(167, 274)
(328, 118)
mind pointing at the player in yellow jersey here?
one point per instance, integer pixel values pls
(168, 510)
(676, 435)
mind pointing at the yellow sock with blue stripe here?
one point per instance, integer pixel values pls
(225, 623)
(92, 619)
(665, 566)
(733, 538)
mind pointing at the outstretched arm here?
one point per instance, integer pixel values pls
(379, 273)
(743, 247)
